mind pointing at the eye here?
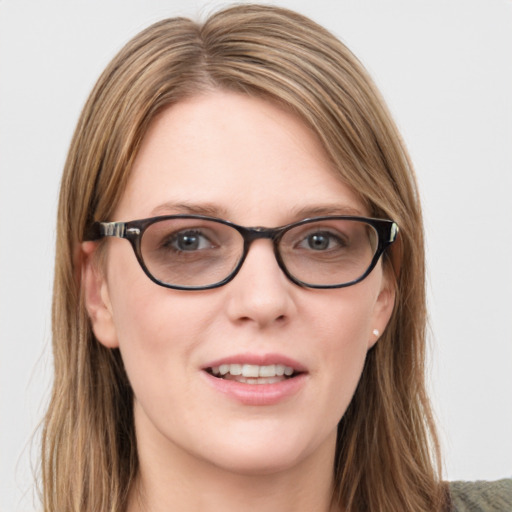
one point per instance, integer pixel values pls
(321, 241)
(190, 240)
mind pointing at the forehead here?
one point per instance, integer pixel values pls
(245, 157)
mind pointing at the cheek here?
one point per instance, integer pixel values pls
(159, 332)
(344, 327)
(157, 328)
(344, 320)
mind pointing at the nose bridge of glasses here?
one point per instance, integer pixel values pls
(259, 232)
(252, 234)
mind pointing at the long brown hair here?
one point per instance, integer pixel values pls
(387, 455)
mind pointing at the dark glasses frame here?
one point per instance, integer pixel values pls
(387, 231)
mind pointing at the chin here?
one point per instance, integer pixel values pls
(264, 454)
(257, 463)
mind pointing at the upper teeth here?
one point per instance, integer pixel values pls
(253, 370)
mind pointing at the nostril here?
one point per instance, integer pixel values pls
(281, 319)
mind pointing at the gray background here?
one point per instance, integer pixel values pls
(445, 68)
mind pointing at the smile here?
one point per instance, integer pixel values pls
(256, 379)
(253, 373)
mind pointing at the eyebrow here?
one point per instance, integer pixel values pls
(328, 209)
(214, 210)
(207, 209)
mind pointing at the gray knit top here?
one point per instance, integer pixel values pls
(482, 496)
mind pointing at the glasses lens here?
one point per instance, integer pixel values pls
(190, 252)
(329, 252)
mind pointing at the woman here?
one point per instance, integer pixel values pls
(260, 344)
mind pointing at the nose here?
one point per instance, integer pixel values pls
(260, 294)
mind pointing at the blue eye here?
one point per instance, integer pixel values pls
(321, 241)
(190, 241)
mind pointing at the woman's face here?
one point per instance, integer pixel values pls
(250, 162)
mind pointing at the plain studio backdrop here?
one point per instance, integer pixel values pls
(445, 69)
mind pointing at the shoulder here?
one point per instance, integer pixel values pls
(481, 496)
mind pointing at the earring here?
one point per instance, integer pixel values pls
(376, 332)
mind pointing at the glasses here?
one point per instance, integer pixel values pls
(195, 252)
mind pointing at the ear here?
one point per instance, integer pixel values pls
(383, 307)
(97, 299)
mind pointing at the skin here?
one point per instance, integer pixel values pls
(253, 163)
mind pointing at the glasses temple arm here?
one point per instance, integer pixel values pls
(98, 230)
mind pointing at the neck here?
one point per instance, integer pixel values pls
(170, 479)
(229, 493)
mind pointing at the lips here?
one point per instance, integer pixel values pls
(256, 379)
(255, 368)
